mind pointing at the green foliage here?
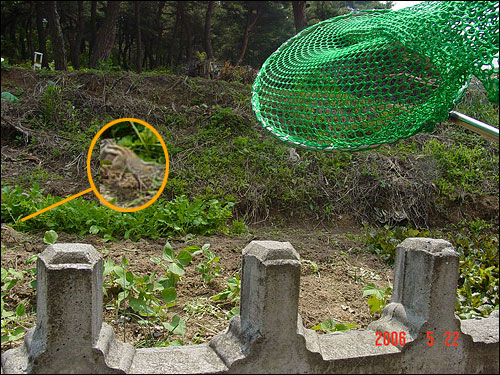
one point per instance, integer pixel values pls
(230, 295)
(477, 246)
(163, 218)
(164, 70)
(57, 112)
(207, 267)
(226, 120)
(9, 97)
(378, 297)
(329, 326)
(174, 264)
(478, 269)
(239, 228)
(5, 63)
(384, 241)
(50, 237)
(138, 291)
(313, 265)
(14, 321)
(140, 139)
(464, 168)
(149, 296)
(108, 65)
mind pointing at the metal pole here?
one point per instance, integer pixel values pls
(476, 126)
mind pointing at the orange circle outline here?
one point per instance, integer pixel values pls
(89, 156)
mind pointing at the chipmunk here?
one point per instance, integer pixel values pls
(123, 159)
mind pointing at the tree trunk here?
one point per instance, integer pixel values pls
(105, 35)
(93, 26)
(76, 38)
(178, 17)
(12, 33)
(148, 54)
(120, 49)
(56, 36)
(29, 30)
(299, 15)
(42, 43)
(251, 21)
(159, 31)
(138, 57)
(127, 42)
(129, 49)
(20, 43)
(189, 39)
(207, 44)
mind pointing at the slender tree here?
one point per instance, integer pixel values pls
(93, 25)
(56, 35)
(42, 36)
(29, 29)
(252, 18)
(299, 15)
(178, 17)
(159, 32)
(105, 35)
(188, 34)
(207, 44)
(138, 58)
(76, 35)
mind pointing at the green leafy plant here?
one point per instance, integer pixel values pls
(13, 324)
(383, 241)
(230, 295)
(313, 265)
(174, 264)
(478, 280)
(50, 237)
(239, 228)
(163, 218)
(207, 267)
(329, 326)
(477, 245)
(378, 297)
(149, 297)
(232, 291)
(464, 168)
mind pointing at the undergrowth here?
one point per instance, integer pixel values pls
(162, 219)
(477, 245)
(218, 151)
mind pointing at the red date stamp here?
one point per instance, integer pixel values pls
(399, 338)
(450, 338)
(390, 338)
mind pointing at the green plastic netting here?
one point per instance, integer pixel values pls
(356, 81)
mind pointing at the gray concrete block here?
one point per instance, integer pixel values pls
(268, 336)
(69, 336)
(191, 359)
(423, 306)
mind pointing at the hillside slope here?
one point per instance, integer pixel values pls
(217, 150)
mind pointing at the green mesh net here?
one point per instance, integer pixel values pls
(356, 81)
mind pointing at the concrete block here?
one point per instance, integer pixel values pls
(423, 306)
(69, 336)
(189, 359)
(268, 336)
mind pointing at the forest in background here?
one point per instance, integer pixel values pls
(175, 36)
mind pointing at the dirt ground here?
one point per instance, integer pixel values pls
(344, 267)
